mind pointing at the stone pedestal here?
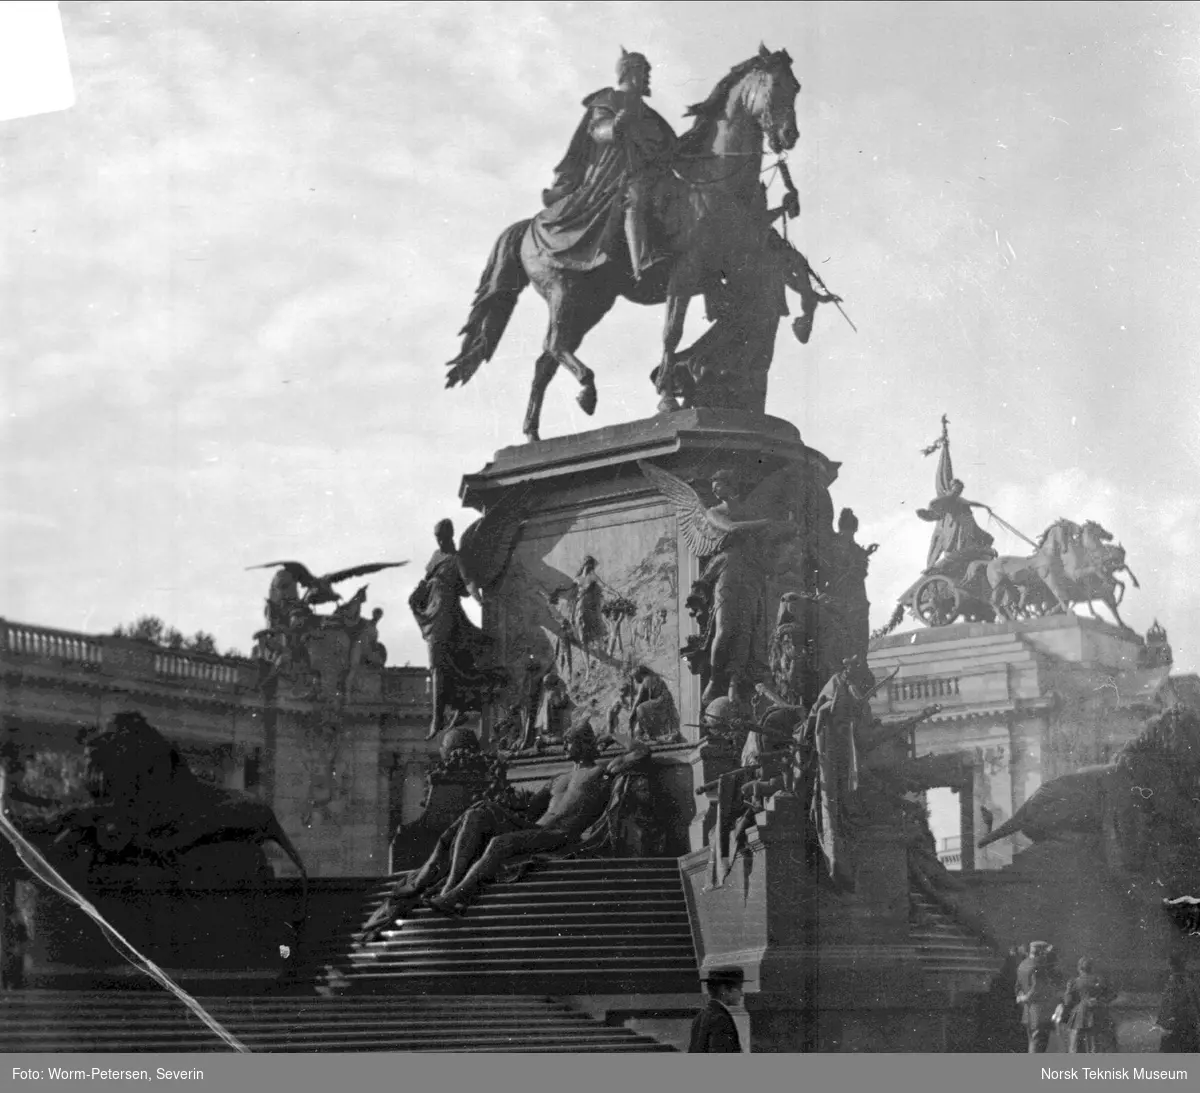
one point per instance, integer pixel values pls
(825, 971)
(585, 496)
(709, 761)
(763, 917)
(879, 912)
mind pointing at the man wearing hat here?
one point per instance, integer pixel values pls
(713, 1029)
(1038, 991)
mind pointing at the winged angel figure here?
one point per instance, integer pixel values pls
(737, 544)
(457, 645)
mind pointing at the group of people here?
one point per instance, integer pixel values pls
(1081, 1009)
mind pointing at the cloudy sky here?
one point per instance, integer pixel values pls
(233, 269)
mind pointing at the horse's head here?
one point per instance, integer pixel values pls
(770, 97)
(1092, 530)
(762, 90)
(130, 759)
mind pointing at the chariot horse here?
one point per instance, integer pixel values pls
(1073, 563)
(707, 211)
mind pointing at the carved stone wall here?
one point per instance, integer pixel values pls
(587, 497)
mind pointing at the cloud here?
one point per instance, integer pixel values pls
(237, 265)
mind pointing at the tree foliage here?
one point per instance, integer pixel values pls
(152, 629)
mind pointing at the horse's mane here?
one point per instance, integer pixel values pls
(1069, 525)
(706, 112)
(1098, 529)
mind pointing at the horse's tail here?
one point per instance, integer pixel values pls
(503, 279)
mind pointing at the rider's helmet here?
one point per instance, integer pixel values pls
(628, 61)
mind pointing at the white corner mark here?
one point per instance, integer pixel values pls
(35, 75)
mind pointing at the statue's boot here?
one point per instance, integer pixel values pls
(802, 326)
(640, 256)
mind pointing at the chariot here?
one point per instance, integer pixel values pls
(957, 589)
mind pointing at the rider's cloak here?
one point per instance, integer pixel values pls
(585, 206)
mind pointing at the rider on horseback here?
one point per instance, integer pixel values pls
(608, 170)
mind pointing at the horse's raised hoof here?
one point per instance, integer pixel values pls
(587, 399)
(532, 437)
(668, 404)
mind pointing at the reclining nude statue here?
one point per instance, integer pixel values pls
(488, 836)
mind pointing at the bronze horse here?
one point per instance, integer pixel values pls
(1075, 564)
(708, 209)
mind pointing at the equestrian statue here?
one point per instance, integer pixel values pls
(636, 212)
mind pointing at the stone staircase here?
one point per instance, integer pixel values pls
(495, 979)
(567, 928)
(142, 1020)
(944, 946)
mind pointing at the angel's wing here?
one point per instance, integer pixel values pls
(699, 533)
(360, 570)
(774, 494)
(487, 545)
(296, 569)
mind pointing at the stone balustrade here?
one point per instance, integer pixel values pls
(197, 668)
(406, 686)
(44, 643)
(106, 655)
(927, 689)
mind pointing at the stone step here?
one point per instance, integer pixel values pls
(615, 893)
(577, 923)
(318, 1009)
(567, 981)
(466, 1042)
(939, 938)
(520, 959)
(593, 871)
(524, 1047)
(400, 948)
(486, 959)
(402, 941)
(588, 926)
(66, 1021)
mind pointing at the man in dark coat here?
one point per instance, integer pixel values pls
(1087, 1018)
(713, 1029)
(1038, 992)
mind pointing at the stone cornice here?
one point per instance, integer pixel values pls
(893, 643)
(652, 438)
